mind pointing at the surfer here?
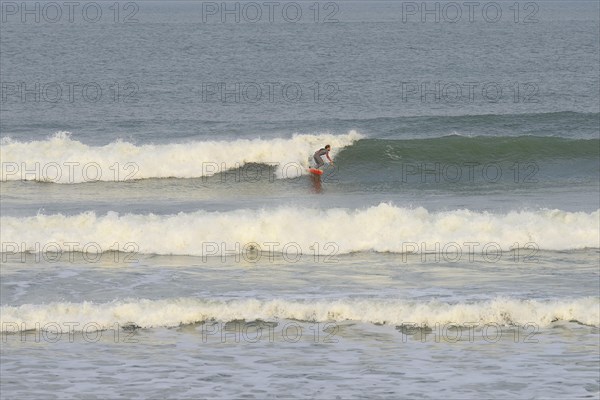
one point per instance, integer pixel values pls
(320, 153)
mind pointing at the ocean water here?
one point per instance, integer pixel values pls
(162, 238)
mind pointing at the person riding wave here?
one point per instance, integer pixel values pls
(319, 154)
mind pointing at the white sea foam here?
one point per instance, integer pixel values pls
(147, 313)
(382, 228)
(61, 159)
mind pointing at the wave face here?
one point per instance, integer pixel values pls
(458, 149)
(61, 159)
(382, 228)
(146, 313)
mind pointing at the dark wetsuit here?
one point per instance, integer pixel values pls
(318, 154)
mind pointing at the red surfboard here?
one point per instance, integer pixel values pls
(315, 171)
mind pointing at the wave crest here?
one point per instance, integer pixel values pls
(61, 159)
(173, 312)
(381, 228)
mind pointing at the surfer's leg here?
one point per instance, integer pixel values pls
(319, 162)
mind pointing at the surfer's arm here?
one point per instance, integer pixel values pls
(329, 158)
